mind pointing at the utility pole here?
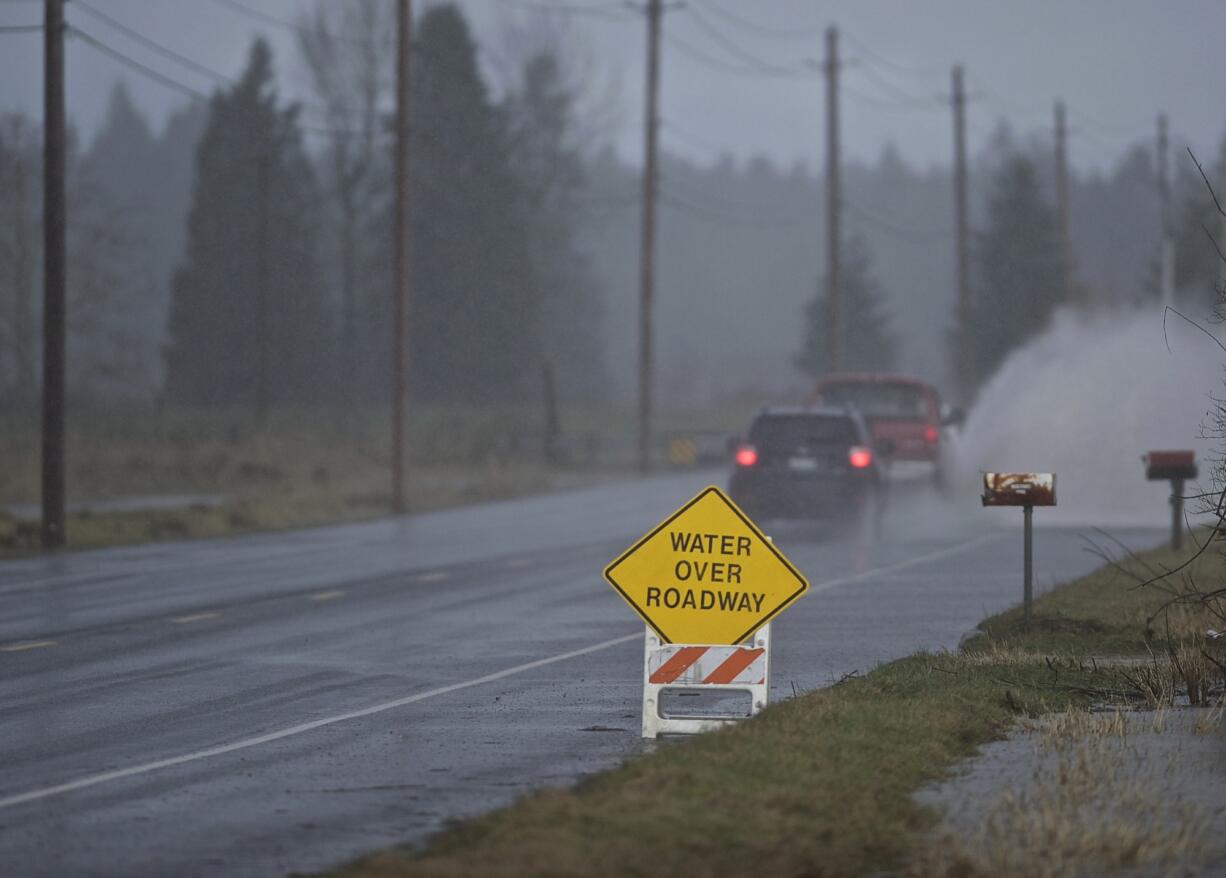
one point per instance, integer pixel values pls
(647, 244)
(1062, 206)
(54, 277)
(1167, 277)
(834, 280)
(966, 340)
(404, 31)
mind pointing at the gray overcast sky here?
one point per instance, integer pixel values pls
(736, 75)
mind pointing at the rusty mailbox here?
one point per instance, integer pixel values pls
(1019, 489)
(1175, 467)
(1027, 490)
(1164, 466)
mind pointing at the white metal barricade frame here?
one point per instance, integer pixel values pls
(744, 668)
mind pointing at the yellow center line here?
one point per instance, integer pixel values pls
(195, 617)
(326, 595)
(29, 644)
(436, 576)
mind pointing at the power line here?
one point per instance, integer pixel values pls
(182, 87)
(913, 236)
(722, 66)
(899, 93)
(282, 23)
(682, 136)
(138, 66)
(728, 219)
(735, 49)
(258, 15)
(878, 103)
(609, 12)
(695, 192)
(764, 30)
(150, 44)
(21, 29)
(883, 61)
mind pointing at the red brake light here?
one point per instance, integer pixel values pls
(746, 455)
(931, 434)
(860, 457)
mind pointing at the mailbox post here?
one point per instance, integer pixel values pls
(1176, 467)
(1026, 490)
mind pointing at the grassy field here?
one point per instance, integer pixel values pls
(822, 784)
(305, 467)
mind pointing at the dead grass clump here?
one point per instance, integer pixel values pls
(1082, 814)
(1062, 730)
(999, 654)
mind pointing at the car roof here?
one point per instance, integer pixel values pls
(834, 411)
(821, 411)
(873, 378)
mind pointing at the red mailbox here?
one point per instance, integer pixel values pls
(1019, 489)
(1167, 466)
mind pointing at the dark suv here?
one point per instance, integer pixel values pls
(809, 463)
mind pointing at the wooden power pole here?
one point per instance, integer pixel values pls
(1062, 207)
(834, 280)
(647, 244)
(966, 338)
(54, 278)
(400, 248)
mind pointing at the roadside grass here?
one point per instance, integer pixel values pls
(1092, 804)
(306, 466)
(823, 784)
(1108, 612)
(816, 785)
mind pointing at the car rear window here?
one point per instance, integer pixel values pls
(803, 430)
(879, 399)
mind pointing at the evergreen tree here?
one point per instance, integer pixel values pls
(550, 169)
(20, 258)
(868, 343)
(1017, 256)
(232, 336)
(474, 315)
(113, 261)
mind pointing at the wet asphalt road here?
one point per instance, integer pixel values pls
(287, 702)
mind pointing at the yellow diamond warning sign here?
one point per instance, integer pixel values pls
(706, 574)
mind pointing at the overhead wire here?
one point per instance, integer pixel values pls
(132, 63)
(761, 29)
(684, 205)
(863, 49)
(607, 11)
(735, 49)
(275, 21)
(183, 60)
(723, 66)
(178, 85)
(913, 236)
(150, 44)
(670, 129)
(903, 96)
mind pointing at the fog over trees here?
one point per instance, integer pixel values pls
(251, 238)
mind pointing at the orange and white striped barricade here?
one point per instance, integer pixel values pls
(745, 668)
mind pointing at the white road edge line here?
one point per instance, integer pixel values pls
(27, 644)
(95, 779)
(903, 565)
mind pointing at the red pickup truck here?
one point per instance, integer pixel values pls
(903, 414)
